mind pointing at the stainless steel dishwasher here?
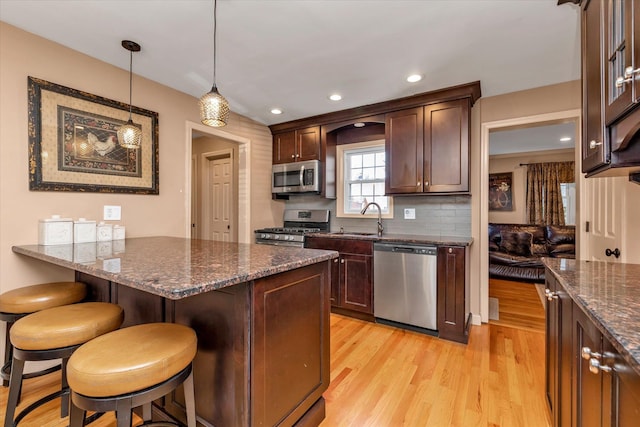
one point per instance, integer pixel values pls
(404, 284)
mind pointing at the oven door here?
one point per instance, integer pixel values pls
(278, 242)
(298, 177)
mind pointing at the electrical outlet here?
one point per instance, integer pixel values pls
(409, 213)
(112, 213)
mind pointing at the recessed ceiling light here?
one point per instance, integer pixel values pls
(276, 111)
(565, 139)
(414, 78)
(335, 97)
(359, 125)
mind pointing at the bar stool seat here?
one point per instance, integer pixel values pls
(20, 302)
(131, 367)
(55, 333)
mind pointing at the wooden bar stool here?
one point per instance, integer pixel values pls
(19, 302)
(55, 333)
(131, 367)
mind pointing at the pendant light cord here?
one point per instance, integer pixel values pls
(130, 80)
(215, 47)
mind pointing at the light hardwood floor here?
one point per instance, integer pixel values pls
(387, 377)
(519, 305)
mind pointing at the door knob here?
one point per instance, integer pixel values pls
(615, 252)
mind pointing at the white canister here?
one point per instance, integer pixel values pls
(104, 232)
(118, 232)
(55, 231)
(84, 231)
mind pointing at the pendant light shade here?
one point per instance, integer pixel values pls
(130, 135)
(214, 108)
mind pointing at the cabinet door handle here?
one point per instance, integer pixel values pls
(550, 295)
(293, 156)
(418, 184)
(587, 354)
(335, 260)
(628, 77)
(342, 261)
(426, 183)
(593, 144)
(595, 367)
(450, 250)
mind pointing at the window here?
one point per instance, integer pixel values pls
(362, 171)
(568, 190)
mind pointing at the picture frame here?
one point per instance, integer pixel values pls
(73, 143)
(501, 191)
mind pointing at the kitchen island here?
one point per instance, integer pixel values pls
(261, 314)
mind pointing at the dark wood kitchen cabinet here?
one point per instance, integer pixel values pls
(559, 352)
(610, 86)
(453, 287)
(351, 275)
(297, 145)
(428, 149)
(606, 389)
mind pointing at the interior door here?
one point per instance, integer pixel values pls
(220, 198)
(606, 228)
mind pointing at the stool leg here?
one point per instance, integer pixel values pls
(8, 355)
(15, 385)
(64, 399)
(123, 412)
(146, 412)
(189, 400)
(76, 418)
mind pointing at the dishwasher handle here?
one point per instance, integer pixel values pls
(406, 249)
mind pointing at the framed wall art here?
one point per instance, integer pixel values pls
(73, 144)
(500, 191)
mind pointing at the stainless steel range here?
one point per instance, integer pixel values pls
(297, 224)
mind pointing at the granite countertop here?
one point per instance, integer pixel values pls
(402, 238)
(175, 267)
(609, 293)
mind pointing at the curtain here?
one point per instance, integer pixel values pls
(544, 196)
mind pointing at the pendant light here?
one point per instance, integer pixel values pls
(130, 135)
(214, 108)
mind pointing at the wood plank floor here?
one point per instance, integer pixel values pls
(519, 305)
(386, 377)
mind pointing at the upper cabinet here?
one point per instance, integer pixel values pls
(428, 149)
(611, 87)
(427, 140)
(297, 145)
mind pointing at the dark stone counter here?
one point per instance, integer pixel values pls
(609, 293)
(401, 238)
(174, 267)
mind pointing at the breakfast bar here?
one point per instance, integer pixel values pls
(261, 314)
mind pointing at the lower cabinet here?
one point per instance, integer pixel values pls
(588, 383)
(606, 389)
(351, 275)
(558, 357)
(453, 303)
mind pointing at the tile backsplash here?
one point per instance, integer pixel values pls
(435, 215)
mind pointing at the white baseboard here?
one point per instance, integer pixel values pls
(476, 319)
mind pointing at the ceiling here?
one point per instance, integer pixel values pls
(292, 54)
(538, 137)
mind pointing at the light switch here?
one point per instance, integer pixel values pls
(112, 213)
(409, 213)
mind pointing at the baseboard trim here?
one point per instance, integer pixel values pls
(476, 319)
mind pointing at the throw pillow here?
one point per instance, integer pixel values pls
(539, 249)
(517, 243)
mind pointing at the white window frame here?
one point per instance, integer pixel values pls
(372, 212)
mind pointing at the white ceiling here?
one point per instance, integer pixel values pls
(292, 54)
(539, 137)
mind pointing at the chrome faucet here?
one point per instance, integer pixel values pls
(380, 228)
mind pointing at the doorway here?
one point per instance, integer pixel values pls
(487, 127)
(240, 219)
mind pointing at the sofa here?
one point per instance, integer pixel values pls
(515, 250)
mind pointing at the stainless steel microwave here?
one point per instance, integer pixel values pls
(297, 177)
